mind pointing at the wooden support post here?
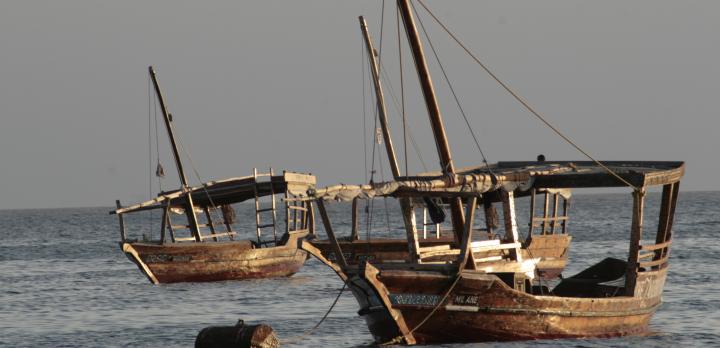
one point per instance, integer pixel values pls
(169, 223)
(635, 237)
(466, 244)
(511, 230)
(566, 206)
(555, 213)
(311, 217)
(667, 211)
(490, 217)
(355, 219)
(121, 219)
(163, 224)
(531, 224)
(410, 229)
(340, 257)
(546, 212)
(425, 213)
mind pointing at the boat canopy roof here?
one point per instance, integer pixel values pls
(512, 176)
(228, 191)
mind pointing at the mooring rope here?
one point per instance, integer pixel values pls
(521, 100)
(312, 329)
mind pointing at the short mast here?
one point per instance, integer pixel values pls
(382, 110)
(168, 125)
(190, 209)
(405, 203)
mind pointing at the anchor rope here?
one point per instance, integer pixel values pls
(312, 329)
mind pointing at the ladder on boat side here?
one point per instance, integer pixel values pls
(265, 210)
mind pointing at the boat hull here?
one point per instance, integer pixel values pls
(481, 307)
(214, 261)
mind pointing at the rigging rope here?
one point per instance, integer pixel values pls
(447, 79)
(521, 100)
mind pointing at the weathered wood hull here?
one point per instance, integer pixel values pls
(214, 261)
(481, 307)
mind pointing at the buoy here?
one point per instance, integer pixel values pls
(238, 336)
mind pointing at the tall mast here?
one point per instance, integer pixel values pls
(405, 204)
(190, 208)
(433, 108)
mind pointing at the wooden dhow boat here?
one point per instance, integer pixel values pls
(194, 250)
(472, 289)
(488, 290)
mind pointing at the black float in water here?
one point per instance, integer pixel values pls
(238, 336)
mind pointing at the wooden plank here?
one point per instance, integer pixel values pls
(434, 248)
(656, 246)
(428, 254)
(504, 246)
(331, 235)
(645, 255)
(488, 259)
(221, 234)
(653, 263)
(550, 218)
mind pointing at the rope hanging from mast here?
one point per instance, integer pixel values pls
(522, 101)
(452, 89)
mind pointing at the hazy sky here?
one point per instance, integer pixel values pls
(259, 83)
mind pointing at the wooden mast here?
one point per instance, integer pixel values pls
(405, 204)
(190, 209)
(436, 121)
(382, 109)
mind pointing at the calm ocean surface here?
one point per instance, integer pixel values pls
(65, 283)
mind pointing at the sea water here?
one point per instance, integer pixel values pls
(65, 283)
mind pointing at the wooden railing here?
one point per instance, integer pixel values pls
(658, 253)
